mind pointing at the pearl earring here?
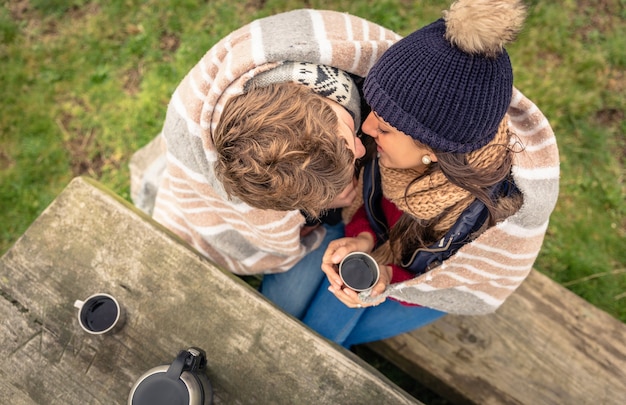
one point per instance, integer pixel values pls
(426, 160)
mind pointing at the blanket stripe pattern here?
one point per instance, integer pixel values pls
(189, 200)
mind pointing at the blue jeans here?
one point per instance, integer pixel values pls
(294, 289)
(303, 292)
(346, 326)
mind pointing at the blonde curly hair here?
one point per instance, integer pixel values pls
(278, 148)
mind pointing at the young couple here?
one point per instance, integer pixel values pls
(452, 197)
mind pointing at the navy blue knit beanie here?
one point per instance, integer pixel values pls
(447, 98)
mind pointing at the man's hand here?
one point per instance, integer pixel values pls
(305, 230)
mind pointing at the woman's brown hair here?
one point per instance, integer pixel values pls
(409, 233)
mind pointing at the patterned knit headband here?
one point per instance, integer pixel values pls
(327, 81)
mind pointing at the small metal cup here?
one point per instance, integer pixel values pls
(359, 271)
(100, 313)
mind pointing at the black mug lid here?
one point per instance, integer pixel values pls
(177, 384)
(159, 389)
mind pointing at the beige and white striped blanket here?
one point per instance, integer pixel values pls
(246, 240)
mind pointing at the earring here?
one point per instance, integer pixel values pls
(426, 160)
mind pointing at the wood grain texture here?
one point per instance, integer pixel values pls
(545, 345)
(91, 241)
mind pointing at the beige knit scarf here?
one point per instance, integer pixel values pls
(433, 196)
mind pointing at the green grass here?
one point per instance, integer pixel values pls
(86, 83)
(575, 70)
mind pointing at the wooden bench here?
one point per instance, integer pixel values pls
(545, 345)
(89, 240)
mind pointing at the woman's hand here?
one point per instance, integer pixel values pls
(351, 298)
(338, 249)
(335, 253)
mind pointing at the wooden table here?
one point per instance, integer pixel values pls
(89, 241)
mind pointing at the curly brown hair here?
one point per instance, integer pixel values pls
(278, 148)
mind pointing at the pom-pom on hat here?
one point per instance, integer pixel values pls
(449, 84)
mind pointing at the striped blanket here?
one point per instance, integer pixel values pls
(246, 240)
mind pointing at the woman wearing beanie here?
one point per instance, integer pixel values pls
(457, 199)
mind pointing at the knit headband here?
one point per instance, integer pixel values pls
(327, 81)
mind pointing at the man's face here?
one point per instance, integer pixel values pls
(346, 129)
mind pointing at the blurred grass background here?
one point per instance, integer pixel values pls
(86, 83)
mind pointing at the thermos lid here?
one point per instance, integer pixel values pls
(181, 383)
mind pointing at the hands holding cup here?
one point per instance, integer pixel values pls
(350, 270)
(359, 271)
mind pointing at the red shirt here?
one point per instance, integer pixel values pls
(360, 223)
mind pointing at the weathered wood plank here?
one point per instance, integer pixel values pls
(545, 345)
(91, 241)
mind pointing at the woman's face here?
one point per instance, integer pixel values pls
(396, 150)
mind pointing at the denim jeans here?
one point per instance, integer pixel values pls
(303, 292)
(294, 289)
(346, 326)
